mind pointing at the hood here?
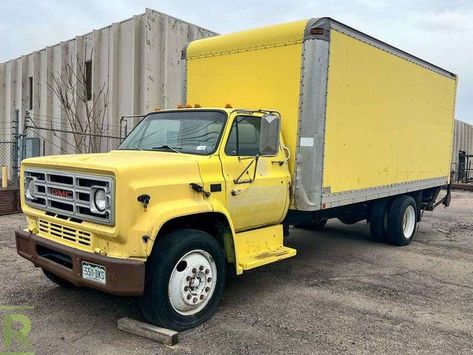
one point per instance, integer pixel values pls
(117, 161)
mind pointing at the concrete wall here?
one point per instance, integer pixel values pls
(462, 141)
(139, 59)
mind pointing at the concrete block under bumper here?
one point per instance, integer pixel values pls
(124, 277)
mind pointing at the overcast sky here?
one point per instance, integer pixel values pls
(440, 31)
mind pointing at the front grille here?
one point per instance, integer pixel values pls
(66, 233)
(70, 194)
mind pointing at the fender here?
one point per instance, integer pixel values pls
(154, 218)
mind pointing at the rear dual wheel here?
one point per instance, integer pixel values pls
(402, 220)
(378, 221)
(395, 222)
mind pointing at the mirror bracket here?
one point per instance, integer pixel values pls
(248, 181)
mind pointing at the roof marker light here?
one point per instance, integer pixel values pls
(317, 31)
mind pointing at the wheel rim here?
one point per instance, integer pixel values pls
(192, 282)
(409, 222)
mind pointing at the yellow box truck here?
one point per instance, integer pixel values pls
(287, 125)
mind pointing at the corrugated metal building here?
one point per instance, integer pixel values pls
(462, 144)
(139, 59)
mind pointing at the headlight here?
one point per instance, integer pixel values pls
(29, 190)
(100, 200)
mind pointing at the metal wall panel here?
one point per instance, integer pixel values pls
(462, 141)
(138, 59)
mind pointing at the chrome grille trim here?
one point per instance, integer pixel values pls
(77, 198)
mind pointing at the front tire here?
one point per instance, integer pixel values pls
(402, 220)
(185, 278)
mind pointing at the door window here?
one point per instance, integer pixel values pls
(244, 137)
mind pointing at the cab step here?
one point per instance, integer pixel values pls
(260, 247)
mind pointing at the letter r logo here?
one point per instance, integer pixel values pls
(16, 326)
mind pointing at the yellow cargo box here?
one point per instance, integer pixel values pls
(362, 119)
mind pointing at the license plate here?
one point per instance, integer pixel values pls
(94, 272)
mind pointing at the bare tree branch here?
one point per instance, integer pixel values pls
(82, 115)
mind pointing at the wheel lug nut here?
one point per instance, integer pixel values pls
(207, 272)
(186, 288)
(201, 268)
(207, 289)
(194, 300)
(202, 297)
(194, 270)
(209, 279)
(188, 278)
(189, 297)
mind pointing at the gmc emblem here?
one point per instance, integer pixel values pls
(61, 193)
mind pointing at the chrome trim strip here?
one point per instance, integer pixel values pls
(312, 116)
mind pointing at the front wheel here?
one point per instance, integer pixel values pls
(185, 278)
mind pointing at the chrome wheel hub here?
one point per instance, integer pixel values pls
(192, 282)
(409, 222)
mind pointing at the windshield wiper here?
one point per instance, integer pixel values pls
(167, 147)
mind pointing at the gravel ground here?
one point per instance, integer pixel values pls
(341, 293)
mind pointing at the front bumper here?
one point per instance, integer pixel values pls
(124, 277)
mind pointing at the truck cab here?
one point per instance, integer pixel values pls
(215, 180)
(234, 163)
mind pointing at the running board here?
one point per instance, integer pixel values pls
(260, 247)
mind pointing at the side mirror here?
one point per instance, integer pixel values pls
(269, 134)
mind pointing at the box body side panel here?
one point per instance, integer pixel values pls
(388, 120)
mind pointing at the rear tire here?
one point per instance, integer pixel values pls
(185, 278)
(402, 220)
(378, 221)
(58, 280)
(316, 225)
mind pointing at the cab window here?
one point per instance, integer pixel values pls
(193, 132)
(244, 137)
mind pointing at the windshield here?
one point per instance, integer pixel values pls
(195, 132)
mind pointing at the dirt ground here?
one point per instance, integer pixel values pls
(341, 293)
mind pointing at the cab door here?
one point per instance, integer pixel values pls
(257, 187)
